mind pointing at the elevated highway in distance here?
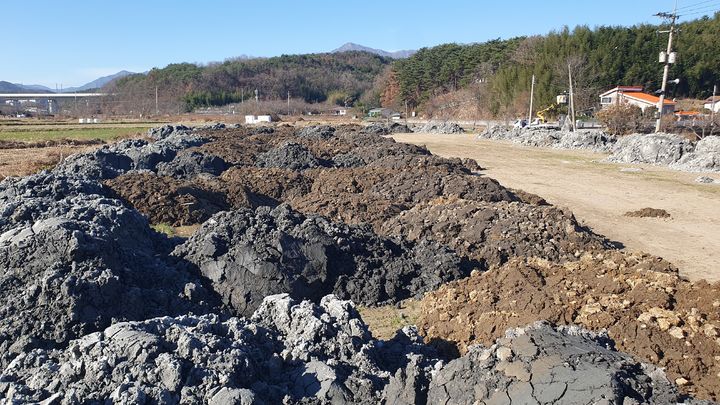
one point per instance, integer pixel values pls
(27, 96)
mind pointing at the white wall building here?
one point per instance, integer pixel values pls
(256, 119)
(634, 95)
(713, 104)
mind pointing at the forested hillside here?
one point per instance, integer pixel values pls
(498, 73)
(491, 78)
(312, 78)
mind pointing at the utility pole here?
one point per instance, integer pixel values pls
(573, 124)
(667, 58)
(157, 110)
(712, 110)
(288, 103)
(532, 97)
(242, 96)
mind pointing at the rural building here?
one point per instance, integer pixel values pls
(380, 112)
(340, 111)
(688, 116)
(634, 95)
(256, 119)
(713, 104)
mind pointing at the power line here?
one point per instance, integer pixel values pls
(702, 8)
(702, 13)
(694, 5)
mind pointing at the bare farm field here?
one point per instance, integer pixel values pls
(600, 194)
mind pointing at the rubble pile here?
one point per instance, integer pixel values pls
(705, 157)
(440, 127)
(658, 149)
(386, 129)
(590, 139)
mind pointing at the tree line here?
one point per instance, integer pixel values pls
(499, 71)
(313, 78)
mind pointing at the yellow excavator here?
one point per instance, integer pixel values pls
(553, 110)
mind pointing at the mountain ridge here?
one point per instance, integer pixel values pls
(353, 47)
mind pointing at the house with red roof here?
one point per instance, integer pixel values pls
(634, 95)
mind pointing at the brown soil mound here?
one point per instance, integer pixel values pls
(646, 308)
(374, 195)
(494, 232)
(178, 202)
(280, 184)
(648, 213)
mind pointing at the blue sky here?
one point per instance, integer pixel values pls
(73, 42)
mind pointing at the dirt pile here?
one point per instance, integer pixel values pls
(290, 352)
(492, 233)
(386, 129)
(640, 300)
(375, 194)
(248, 255)
(77, 262)
(440, 127)
(705, 157)
(190, 164)
(113, 160)
(167, 200)
(69, 256)
(648, 213)
(291, 155)
(164, 131)
(590, 139)
(658, 149)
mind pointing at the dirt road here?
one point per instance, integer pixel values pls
(601, 193)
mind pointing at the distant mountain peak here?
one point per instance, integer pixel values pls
(353, 47)
(98, 83)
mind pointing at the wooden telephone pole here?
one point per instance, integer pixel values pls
(667, 58)
(571, 101)
(532, 96)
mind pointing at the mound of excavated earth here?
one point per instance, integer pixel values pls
(640, 300)
(440, 127)
(96, 307)
(591, 139)
(291, 352)
(491, 233)
(660, 149)
(73, 262)
(248, 255)
(705, 157)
